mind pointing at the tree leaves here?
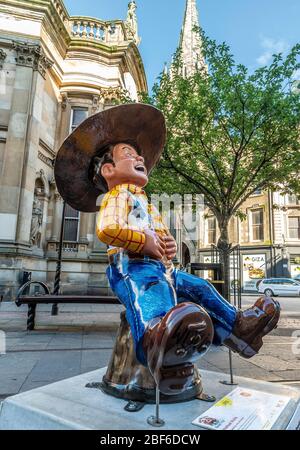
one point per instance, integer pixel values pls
(229, 132)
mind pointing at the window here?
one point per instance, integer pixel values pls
(258, 191)
(293, 200)
(212, 230)
(294, 227)
(78, 115)
(258, 225)
(71, 224)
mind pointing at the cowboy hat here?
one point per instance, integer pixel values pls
(139, 123)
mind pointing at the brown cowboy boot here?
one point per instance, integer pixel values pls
(251, 325)
(174, 342)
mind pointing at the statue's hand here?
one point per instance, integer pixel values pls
(171, 246)
(154, 245)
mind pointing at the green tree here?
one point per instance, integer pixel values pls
(230, 132)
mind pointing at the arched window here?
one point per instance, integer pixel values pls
(186, 257)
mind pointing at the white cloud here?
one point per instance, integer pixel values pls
(271, 47)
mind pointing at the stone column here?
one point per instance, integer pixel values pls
(14, 154)
(56, 225)
(40, 64)
(21, 150)
(83, 228)
(57, 217)
(99, 251)
(91, 228)
(63, 121)
(83, 231)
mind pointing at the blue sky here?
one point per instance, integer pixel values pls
(253, 28)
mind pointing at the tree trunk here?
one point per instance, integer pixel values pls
(224, 247)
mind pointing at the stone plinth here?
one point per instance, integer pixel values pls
(68, 404)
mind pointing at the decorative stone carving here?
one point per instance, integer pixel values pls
(36, 222)
(32, 56)
(2, 57)
(57, 196)
(95, 106)
(52, 182)
(42, 184)
(64, 100)
(111, 93)
(131, 24)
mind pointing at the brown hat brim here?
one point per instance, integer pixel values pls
(136, 122)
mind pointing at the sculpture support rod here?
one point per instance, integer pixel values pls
(156, 421)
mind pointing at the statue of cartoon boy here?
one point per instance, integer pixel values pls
(173, 316)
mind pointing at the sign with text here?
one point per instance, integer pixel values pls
(254, 269)
(295, 265)
(244, 409)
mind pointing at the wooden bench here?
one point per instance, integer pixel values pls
(33, 300)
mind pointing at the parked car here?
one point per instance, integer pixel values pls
(279, 286)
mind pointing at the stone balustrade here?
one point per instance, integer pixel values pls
(68, 247)
(79, 27)
(89, 28)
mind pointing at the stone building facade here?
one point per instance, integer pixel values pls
(55, 70)
(269, 237)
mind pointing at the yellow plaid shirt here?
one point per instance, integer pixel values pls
(124, 215)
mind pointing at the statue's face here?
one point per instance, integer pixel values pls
(129, 167)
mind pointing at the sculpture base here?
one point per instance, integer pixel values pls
(69, 405)
(126, 378)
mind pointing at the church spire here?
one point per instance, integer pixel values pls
(190, 41)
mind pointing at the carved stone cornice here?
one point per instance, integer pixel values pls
(29, 55)
(47, 148)
(2, 57)
(48, 161)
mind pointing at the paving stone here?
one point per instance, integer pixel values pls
(100, 308)
(18, 363)
(56, 365)
(11, 385)
(219, 359)
(288, 374)
(102, 341)
(272, 363)
(203, 365)
(94, 359)
(256, 373)
(29, 385)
